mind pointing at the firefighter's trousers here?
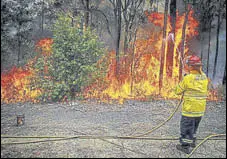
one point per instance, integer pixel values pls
(188, 128)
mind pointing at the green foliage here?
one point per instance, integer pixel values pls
(72, 64)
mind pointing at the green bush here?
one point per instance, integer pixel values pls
(72, 65)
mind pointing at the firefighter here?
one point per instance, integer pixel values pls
(193, 87)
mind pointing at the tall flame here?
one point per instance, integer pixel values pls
(139, 75)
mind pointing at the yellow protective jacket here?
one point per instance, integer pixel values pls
(194, 86)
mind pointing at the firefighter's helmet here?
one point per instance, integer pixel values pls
(194, 61)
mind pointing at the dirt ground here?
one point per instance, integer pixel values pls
(91, 118)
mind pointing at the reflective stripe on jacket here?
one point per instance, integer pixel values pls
(194, 86)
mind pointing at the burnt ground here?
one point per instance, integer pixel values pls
(90, 118)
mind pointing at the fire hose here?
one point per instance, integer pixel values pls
(214, 135)
(59, 138)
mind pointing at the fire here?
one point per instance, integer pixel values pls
(15, 86)
(139, 76)
(16, 83)
(138, 73)
(44, 46)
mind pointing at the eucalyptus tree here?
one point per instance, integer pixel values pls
(162, 56)
(132, 12)
(170, 46)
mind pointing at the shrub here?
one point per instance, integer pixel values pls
(72, 63)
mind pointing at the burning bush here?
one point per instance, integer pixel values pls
(15, 86)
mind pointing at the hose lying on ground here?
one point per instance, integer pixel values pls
(162, 123)
(214, 135)
(116, 137)
(59, 138)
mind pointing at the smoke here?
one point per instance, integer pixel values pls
(221, 59)
(194, 45)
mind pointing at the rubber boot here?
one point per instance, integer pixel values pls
(184, 149)
(193, 145)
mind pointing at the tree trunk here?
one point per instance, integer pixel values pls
(183, 42)
(151, 3)
(217, 39)
(19, 50)
(126, 38)
(201, 45)
(224, 77)
(19, 36)
(133, 62)
(170, 47)
(130, 10)
(42, 16)
(19, 42)
(162, 56)
(118, 36)
(157, 6)
(86, 13)
(208, 53)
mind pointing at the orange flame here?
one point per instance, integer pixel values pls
(139, 75)
(16, 84)
(44, 46)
